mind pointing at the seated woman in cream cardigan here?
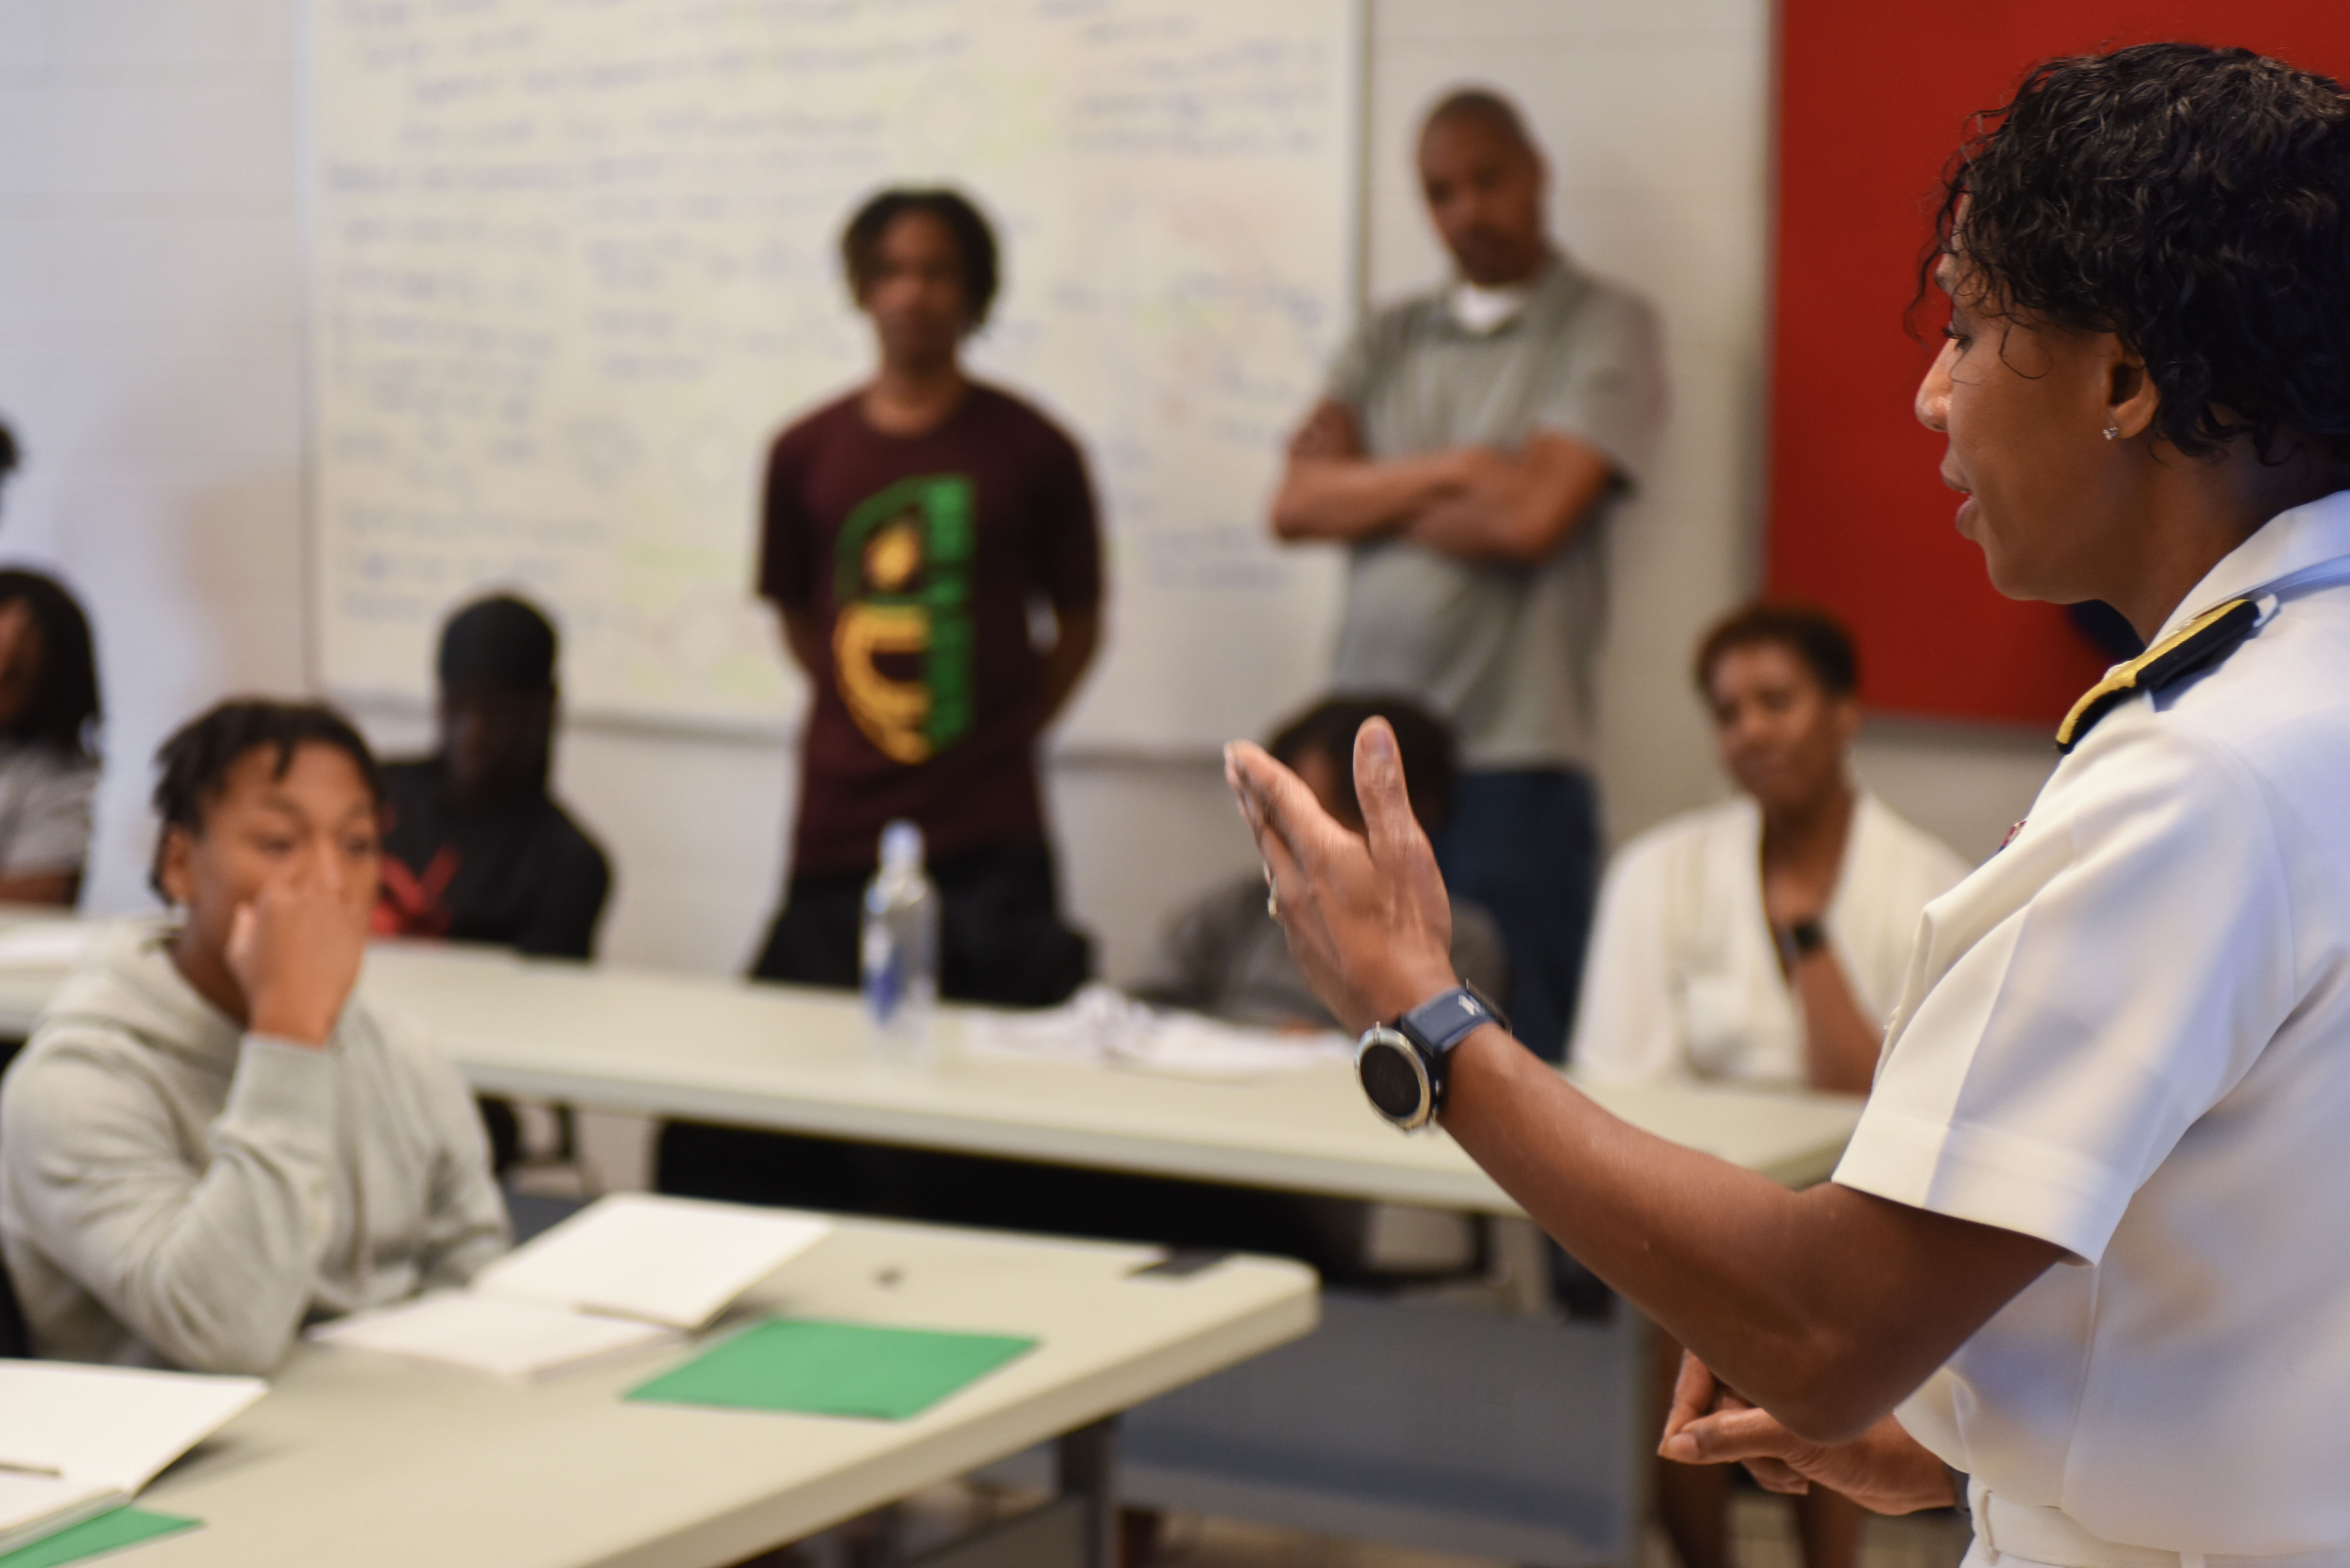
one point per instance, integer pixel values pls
(1760, 942)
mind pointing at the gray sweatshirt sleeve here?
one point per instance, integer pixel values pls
(466, 1225)
(210, 1261)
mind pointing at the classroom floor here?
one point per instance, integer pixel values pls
(1761, 1525)
(1762, 1528)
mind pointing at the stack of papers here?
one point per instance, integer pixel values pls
(1104, 1026)
(76, 1441)
(626, 1270)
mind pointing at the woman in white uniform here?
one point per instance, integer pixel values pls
(1762, 940)
(2082, 1267)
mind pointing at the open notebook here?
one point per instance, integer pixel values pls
(78, 1440)
(626, 1270)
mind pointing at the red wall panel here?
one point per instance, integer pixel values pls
(1873, 98)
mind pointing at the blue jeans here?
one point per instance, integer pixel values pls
(1526, 844)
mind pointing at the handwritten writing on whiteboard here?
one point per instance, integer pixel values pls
(575, 264)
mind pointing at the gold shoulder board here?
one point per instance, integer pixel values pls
(2207, 639)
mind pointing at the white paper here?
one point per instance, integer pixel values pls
(35, 1507)
(671, 1261)
(46, 944)
(1185, 1046)
(110, 1426)
(488, 1333)
(1100, 1024)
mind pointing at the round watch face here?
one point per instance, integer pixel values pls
(1394, 1077)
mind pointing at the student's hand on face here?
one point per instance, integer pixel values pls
(1885, 1469)
(1366, 914)
(295, 947)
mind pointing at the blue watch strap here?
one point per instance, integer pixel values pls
(1442, 1021)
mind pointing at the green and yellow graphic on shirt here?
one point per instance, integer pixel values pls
(901, 640)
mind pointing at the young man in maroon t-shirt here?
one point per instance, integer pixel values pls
(912, 528)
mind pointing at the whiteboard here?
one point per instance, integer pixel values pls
(573, 263)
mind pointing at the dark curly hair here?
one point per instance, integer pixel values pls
(975, 241)
(1822, 641)
(64, 712)
(193, 766)
(2194, 201)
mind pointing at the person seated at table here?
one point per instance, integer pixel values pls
(1762, 940)
(474, 847)
(49, 719)
(1224, 955)
(209, 1141)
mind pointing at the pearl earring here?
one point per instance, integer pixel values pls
(2112, 431)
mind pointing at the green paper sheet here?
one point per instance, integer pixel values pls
(110, 1531)
(816, 1368)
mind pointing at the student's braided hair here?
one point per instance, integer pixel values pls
(194, 763)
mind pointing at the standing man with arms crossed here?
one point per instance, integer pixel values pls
(2085, 1249)
(1467, 453)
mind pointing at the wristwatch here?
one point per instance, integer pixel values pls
(1802, 939)
(1402, 1065)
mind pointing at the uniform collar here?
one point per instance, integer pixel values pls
(2287, 542)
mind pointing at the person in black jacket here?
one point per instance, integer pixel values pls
(474, 848)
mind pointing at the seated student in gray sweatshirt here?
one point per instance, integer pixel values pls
(208, 1141)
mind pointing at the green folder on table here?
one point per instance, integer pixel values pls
(809, 1366)
(110, 1531)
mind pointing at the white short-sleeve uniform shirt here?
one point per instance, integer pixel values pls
(1682, 981)
(2129, 1033)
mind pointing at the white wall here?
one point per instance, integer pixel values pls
(150, 356)
(151, 360)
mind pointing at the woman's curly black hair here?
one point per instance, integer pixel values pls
(2195, 202)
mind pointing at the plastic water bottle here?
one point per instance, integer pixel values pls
(899, 958)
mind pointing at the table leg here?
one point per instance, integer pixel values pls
(1077, 1529)
(1085, 1466)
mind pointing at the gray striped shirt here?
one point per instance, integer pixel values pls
(1506, 652)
